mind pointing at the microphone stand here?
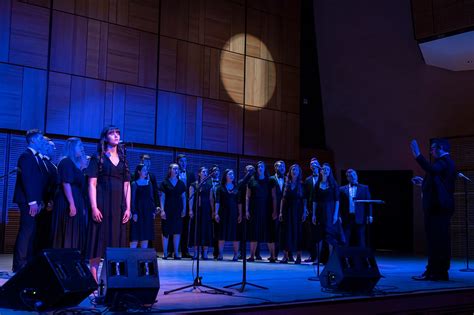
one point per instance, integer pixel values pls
(466, 220)
(244, 282)
(198, 280)
(13, 171)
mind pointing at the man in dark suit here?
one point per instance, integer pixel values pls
(30, 186)
(277, 183)
(355, 216)
(438, 206)
(188, 178)
(310, 232)
(44, 218)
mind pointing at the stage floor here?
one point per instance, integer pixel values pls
(287, 283)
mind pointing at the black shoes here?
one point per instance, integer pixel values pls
(298, 261)
(187, 255)
(432, 277)
(258, 257)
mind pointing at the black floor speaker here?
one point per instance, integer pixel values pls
(351, 269)
(56, 278)
(129, 277)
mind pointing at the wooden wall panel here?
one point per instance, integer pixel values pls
(290, 88)
(201, 71)
(193, 122)
(5, 22)
(231, 77)
(171, 113)
(127, 49)
(87, 107)
(168, 64)
(41, 3)
(96, 55)
(59, 99)
(138, 14)
(271, 85)
(69, 43)
(273, 37)
(22, 97)
(29, 35)
(208, 22)
(10, 96)
(179, 120)
(271, 133)
(33, 105)
(139, 115)
(114, 112)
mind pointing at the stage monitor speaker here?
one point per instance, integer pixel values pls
(56, 278)
(351, 269)
(129, 276)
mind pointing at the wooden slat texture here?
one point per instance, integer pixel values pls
(69, 43)
(139, 115)
(271, 133)
(138, 14)
(29, 35)
(59, 99)
(170, 127)
(87, 107)
(10, 96)
(33, 105)
(209, 22)
(5, 22)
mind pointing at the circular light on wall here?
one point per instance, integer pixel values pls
(260, 72)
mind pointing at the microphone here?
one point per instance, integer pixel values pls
(126, 143)
(213, 170)
(15, 170)
(461, 175)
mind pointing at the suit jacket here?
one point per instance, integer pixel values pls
(52, 181)
(308, 193)
(154, 185)
(438, 184)
(279, 192)
(31, 180)
(362, 210)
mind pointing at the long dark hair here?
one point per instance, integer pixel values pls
(331, 180)
(224, 177)
(299, 180)
(102, 148)
(138, 169)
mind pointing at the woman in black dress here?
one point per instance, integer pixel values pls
(292, 214)
(143, 209)
(69, 226)
(228, 213)
(259, 212)
(109, 194)
(203, 235)
(173, 208)
(326, 208)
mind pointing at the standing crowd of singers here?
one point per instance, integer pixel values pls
(86, 203)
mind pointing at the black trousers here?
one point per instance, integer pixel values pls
(354, 230)
(438, 238)
(25, 240)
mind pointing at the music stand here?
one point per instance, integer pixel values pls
(369, 202)
(198, 280)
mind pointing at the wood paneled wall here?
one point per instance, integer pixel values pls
(433, 18)
(214, 75)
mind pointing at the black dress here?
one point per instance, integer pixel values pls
(111, 232)
(228, 213)
(173, 207)
(67, 231)
(292, 225)
(204, 235)
(143, 205)
(325, 208)
(259, 209)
